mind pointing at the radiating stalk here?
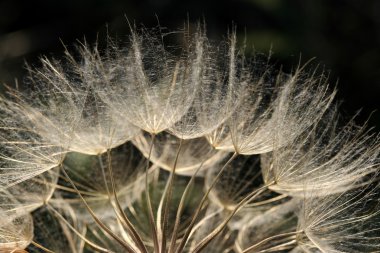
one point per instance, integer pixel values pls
(131, 229)
(281, 247)
(269, 239)
(104, 174)
(168, 196)
(96, 219)
(149, 201)
(201, 245)
(264, 202)
(196, 214)
(41, 247)
(181, 205)
(91, 244)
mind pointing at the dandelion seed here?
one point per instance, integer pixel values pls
(219, 92)
(66, 110)
(32, 193)
(155, 88)
(248, 131)
(23, 154)
(16, 226)
(345, 222)
(327, 157)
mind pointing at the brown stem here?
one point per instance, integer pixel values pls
(125, 221)
(96, 219)
(149, 201)
(168, 196)
(188, 230)
(41, 247)
(201, 245)
(181, 205)
(268, 239)
(91, 244)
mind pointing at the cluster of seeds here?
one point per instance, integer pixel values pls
(148, 147)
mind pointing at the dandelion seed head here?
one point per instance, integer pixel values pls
(193, 147)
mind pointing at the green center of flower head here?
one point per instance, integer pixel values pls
(145, 148)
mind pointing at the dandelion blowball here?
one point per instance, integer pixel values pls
(148, 145)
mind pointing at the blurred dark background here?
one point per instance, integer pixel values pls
(343, 35)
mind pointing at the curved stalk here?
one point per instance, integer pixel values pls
(191, 225)
(41, 247)
(201, 245)
(168, 196)
(181, 205)
(91, 244)
(149, 201)
(124, 219)
(96, 219)
(270, 238)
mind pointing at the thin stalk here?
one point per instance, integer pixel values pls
(181, 205)
(131, 229)
(91, 244)
(204, 220)
(196, 214)
(270, 238)
(149, 201)
(79, 185)
(41, 247)
(264, 202)
(159, 212)
(82, 243)
(201, 245)
(96, 219)
(168, 196)
(68, 189)
(280, 247)
(104, 174)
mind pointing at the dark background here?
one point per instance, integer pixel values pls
(343, 36)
